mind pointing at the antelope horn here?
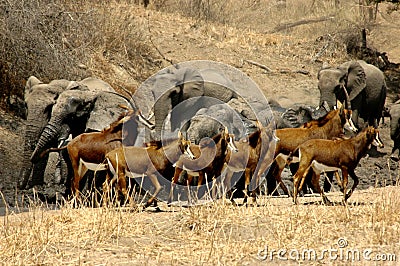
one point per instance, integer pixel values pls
(126, 98)
(132, 100)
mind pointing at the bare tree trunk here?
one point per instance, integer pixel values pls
(368, 10)
(364, 39)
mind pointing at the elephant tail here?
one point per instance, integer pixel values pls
(52, 150)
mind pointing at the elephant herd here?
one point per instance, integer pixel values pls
(196, 100)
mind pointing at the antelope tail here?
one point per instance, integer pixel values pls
(110, 167)
(289, 159)
(52, 150)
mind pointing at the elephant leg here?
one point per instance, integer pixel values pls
(38, 172)
(395, 150)
(25, 173)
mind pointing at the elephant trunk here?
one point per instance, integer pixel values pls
(327, 100)
(395, 129)
(49, 135)
(36, 121)
(26, 167)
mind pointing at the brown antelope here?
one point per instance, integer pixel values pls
(256, 148)
(88, 150)
(333, 155)
(147, 161)
(208, 162)
(291, 138)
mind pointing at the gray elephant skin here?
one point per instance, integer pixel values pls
(208, 122)
(185, 87)
(395, 129)
(365, 85)
(60, 108)
(39, 100)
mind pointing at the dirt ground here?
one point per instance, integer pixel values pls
(285, 55)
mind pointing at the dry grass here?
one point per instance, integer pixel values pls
(218, 233)
(64, 39)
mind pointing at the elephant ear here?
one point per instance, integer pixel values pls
(105, 111)
(217, 85)
(164, 82)
(356, 78)
(297, 115)
(30, 83)
(192, 84)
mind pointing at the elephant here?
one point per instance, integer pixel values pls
(58, 109)
(208, 122)
(365, 85)
(394, 113)
(39, 99)
(183, 92)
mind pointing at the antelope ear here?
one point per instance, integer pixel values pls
(180, 135)
(339, 104)
(341, 107)
(226, 130)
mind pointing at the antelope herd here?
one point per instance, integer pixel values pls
(318, 146)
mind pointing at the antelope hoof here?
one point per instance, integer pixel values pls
(327, 202)
(295, 201)
(347, 197)
(148, 203)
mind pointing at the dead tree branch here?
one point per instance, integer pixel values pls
(289, 25)
(258, 64)
(152, 43)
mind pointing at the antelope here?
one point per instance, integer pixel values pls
(291, 138)
(253, 150)
(150, 161)
(333, 155)
(209, 160)
(87, 151)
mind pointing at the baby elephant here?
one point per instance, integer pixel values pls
(395, 129)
